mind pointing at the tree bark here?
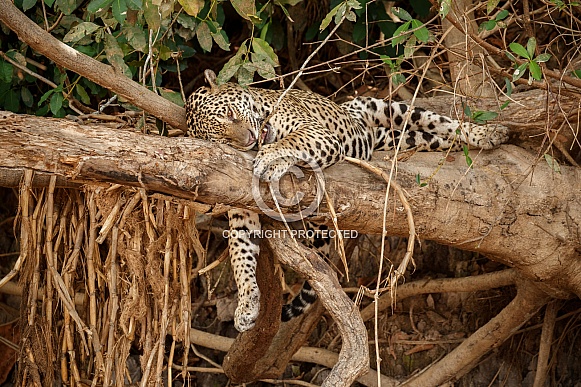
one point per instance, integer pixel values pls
(509, 206)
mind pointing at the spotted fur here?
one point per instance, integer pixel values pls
(307, 127)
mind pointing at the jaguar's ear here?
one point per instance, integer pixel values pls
(211, 78)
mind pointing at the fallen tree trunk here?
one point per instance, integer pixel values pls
(508, 205)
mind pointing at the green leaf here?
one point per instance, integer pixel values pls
(398, 79)
(467, 111)
(467, 155)
(80, 31)
(119, 10)
(387, 60)
(221, 40)
(340, 13)
(263, 68)
(27, 4)
(45, 96)
(351, 16)
(213, 26)
(172, 96)
(401, 13)
(5, 71)
(552, 163)
(542, 58)
(246, 9)
(508, 84)
(135, 5)
(66, 6)
(26, 97)
(204, 36)
(422, 32)
(83, 94)
(444, 9)
(488, 26)
(576, 73)
(136, 37)
(535, 70)
(531, 45)
(490, 5)
(187, 21)
(246, 74)
(501, 15)
(115, 55)
(518, 49)
(152, 15)
(97, 5)
(192, 7)
(232, 66)
(519, 71)
(56, 102)
(400, 34)
(410, 47)
(482, 117)
(261, 47)
(510, 56)
(419, 181)
(327, 20)
(164, 52)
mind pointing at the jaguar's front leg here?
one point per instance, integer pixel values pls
(243, 245)
(312, 146)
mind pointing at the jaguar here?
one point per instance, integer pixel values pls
(305, 127)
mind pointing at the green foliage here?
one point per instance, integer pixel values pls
(479, 116)
(493, 23)
(552, 163)
(397, 77)
(532, 63)
(562, 5)
(467, 157)
(345, 9)
(419, 181)
(410, 32)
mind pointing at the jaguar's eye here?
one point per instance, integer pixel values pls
(230, 114)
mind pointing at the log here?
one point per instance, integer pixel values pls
(510, 205)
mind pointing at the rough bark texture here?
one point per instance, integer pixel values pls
(510, 206)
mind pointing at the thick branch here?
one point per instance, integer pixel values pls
(499, 207)
(100, 73)
(354, 356)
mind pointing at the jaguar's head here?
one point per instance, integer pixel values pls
(223, 113)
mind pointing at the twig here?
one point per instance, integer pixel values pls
(546, 343)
